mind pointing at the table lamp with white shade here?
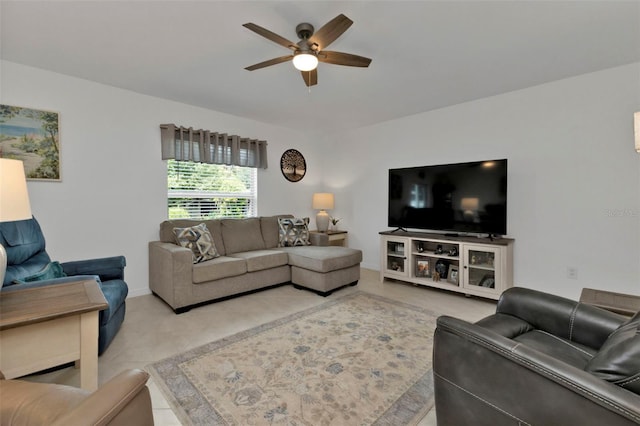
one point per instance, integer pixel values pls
(14, 200)
(322, 201)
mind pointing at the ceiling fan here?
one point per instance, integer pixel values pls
(310, 49)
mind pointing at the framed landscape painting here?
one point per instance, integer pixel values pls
(31, 135)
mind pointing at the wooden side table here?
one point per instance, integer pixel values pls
(329, 238)
(620, 303)
(52, 325)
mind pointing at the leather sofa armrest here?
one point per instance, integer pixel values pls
(559, 316)
(484, 378)
(107, 268)
(124, 400)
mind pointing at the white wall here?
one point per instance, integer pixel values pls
(574, 177)
(112, 197)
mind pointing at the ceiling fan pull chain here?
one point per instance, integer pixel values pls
(309, 87)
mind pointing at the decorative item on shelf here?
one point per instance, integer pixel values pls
(334, 223)
(636, 125)
(423, 268)
(420, 247)
(436, 276)
(453, 274)
(442, 267)
(488, 281)
(322, 201)
(439, 249)
(453, 252)
(14, 200)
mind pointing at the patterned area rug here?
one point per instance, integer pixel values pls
(357, 360)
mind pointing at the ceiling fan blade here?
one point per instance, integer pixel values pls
(339, 58)
(330, 31)
(270, 62)
(310, 77)
(271, 36)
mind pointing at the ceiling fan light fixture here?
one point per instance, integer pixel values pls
(305, 61)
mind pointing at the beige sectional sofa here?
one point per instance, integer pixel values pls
(250, 259)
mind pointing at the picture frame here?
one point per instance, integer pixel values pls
(423, 268)
(452, 276)
(488, 281)
(32, 136)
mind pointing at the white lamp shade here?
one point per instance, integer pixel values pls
(305, 62)
(322, 201)
(636, 125)
(14, 198)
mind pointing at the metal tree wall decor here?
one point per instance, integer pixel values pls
(293, 165)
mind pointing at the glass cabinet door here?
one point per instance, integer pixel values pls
(481, 267)
(396, 256)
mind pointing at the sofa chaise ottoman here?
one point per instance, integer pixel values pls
(249, 256)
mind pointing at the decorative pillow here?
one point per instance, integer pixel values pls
(198, 239)
(293, 232)
(52, 270)
(618, 360)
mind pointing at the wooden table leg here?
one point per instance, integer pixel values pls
(89, 351)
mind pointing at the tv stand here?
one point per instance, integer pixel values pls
(463, 264)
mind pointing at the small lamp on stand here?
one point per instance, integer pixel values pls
(14, 200)
(322, 201)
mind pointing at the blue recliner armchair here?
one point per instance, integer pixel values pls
(26, 257)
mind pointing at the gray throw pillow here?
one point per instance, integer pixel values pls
(198, 239)
(293, 232)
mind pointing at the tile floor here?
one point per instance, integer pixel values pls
(151, 331)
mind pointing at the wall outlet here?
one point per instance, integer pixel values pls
(572, 273)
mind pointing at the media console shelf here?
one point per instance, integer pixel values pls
(470, 265)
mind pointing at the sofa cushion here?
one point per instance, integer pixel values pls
(293, 232)
(218, 268)
(323, 259)
(213, 225)
(618, 360)
(52, 270)
(198, 239)
(29, 267)
(240, 235)
(22, 239)
(570, 352)
(270, 230)
(257, 260)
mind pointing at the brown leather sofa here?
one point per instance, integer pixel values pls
(124, 400)
(539, 360)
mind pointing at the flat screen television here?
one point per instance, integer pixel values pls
(455, 198)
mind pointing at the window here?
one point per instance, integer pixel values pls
(210, 191)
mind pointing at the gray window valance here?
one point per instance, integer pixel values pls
(204, 146)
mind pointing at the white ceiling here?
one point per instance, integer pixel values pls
(426, 54)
